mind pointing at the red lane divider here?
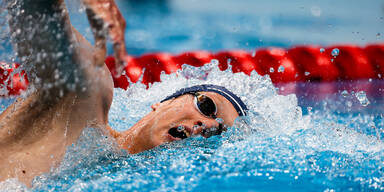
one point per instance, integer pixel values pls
(313, 64)
(301, 63)
(14, 85)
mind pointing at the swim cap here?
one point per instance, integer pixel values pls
(239, 105)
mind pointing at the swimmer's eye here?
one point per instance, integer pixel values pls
(205, 105)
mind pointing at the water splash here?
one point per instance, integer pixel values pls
(344, 93)
(362, 97)
(275, 143)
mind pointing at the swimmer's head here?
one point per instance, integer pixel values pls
(204, 110)
(237, 103)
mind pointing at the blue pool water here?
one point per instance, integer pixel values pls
(308, 141)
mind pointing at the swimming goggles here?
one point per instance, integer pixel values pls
(205, 105)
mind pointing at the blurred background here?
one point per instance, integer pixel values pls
(180, 25)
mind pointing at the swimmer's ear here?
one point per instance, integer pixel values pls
(155, 106)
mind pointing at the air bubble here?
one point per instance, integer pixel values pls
(322, 50)
(306, 73)
(271, 70)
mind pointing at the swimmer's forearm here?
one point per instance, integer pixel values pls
(106, 20)
(42, 35)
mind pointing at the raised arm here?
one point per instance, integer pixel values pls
(74, 88)
(43, 41)
(52, 52)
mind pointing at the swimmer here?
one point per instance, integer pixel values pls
(71, 89)
(199, 110)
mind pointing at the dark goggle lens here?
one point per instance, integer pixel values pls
(206, 105)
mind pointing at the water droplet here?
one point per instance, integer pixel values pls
(335, 52)
(349, 104)
(220, 120)
(280, 69)
(306, 73)
(229, 61)
(59, 54)
(344, 93)
(215, 62)
(309, 110)
(180, 128)
(316, 11)
(362, 97)
(379, 75)
(322, 50)
(271, 70)
(370, 79)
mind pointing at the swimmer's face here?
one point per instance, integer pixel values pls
(168, 119)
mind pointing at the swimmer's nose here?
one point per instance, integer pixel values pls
(201, 127)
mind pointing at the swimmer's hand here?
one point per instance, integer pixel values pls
(106, 21)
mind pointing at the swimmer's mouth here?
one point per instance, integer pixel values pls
(178, 134)
(175, 133)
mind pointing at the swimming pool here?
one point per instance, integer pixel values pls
(310, 141)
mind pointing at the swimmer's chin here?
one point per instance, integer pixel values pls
(170, 138)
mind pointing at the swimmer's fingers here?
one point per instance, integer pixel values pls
(106, 19)
(117, 32)
(100, 33)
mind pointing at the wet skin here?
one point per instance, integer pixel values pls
(36, 130)
(154, 129)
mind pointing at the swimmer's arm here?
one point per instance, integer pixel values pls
(45, 44)
(112, 132)
(50, 49)
(105, 18)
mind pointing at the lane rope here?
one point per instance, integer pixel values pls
(296, 64)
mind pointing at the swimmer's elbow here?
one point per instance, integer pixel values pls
(112, 132)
